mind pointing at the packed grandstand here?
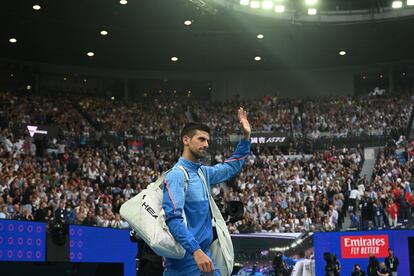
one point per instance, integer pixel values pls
(106, 151)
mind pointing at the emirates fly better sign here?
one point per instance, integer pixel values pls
(361, 246)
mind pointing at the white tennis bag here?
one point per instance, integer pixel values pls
(221, 248)
(144, 214)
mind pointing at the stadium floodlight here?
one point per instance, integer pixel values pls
(244, 2)
(267, 4)
(279, 8)
(312, 11)
(410, 2)
(255, 4)
(311, 2)
(397, 4)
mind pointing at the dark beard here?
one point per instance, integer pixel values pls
(197, 155)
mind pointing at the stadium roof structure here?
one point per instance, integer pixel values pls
(147, 34)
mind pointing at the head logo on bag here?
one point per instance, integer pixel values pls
(144, 214)
(149, 209)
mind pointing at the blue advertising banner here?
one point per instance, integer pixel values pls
(102, 245)
(22, 241)
(355, 248)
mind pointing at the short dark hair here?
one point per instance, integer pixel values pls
(191, 128)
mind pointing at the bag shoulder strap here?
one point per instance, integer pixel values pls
(186, 177)
(160, 180)
(204, 180)
(210, 197)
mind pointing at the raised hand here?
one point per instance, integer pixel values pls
(242, 114)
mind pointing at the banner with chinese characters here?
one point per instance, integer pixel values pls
(269, 138)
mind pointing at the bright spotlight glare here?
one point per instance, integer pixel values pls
(123, 2)
(267, 4)
(188, 22)
(397, 4)
(311, 2)
(36, 7)
(279, 8)
(260, 36)
(257, 58)
(244, 2)
(410, 2)
(254, 4)
(90, 54)
(103, 32)
(312, 11)
(174, 58)
(12, 40)
(342, 53)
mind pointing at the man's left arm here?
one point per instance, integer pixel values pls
(232, 166)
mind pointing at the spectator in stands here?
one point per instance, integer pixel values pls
(43, 213)
(366, 206)
(378, 210)
(355, 223)
(61, 214)
(392, 213)
(3, 212)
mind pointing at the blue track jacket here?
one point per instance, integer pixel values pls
(199, 232)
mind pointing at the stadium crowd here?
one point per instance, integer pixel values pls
(315, 118)
(389, 199)
(87, 183)
(307, 193)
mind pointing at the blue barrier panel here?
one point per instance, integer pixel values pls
(22, 241)
(354, 247)
(106, 245)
